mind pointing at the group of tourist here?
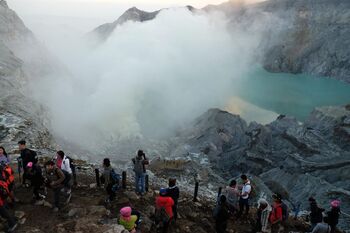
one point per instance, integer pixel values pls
(165, 204)
(269, 217)
(233, 202)
(57, 176)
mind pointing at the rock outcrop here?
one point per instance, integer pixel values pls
(296, 159)
(20, 117)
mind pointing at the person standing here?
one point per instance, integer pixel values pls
(315, 213)
(221, 215)
(232, 194)
(140, 162)
(164, 209)
(55, 181)
(244, 197)
(173, 192)
(276, 216)
(63, 162)
(3, 156)
(333, 215)
(35, 175)
(26, 156)
(107, 179)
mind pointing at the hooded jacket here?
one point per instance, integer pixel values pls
(167, 203)
(316, 212)
(276, 213)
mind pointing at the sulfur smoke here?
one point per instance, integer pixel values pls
(147, 79)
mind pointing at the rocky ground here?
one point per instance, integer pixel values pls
(87, 213)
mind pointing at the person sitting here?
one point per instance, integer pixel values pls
(128, 219)
(164, 209)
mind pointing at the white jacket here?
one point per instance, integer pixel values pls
(66, 165)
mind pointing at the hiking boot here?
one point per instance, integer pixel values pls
(11, 229)
(55, 209)
(69, 191)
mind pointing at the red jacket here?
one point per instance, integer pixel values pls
(167, 203)
(4, 188)
(276, 213)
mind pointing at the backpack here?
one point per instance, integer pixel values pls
(162, 215)
(115, 178)
(4, 191)
(71, 163)
(285, 211)
(138, 165)
(8, 174)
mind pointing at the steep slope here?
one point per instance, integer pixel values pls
(20, 117)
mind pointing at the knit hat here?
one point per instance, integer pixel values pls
(126, 213)
(163, 191)
(335, 203)
(262, 201)
(277, 196)
(30, 164)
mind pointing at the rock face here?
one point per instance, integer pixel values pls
(295, 159)
(20, 117)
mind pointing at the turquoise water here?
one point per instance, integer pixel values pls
(294, 95)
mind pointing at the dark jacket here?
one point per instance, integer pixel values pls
(174, 193)
(333, 216)
(56, 177)
(221, 213)
(316, 213)
(27, 156)
(36, 175)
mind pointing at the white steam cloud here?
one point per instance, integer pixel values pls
(147, 78)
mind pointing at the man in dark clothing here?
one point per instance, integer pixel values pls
(37, 180)
(55, 181)
(26, 156)
(221, 215)
(173, 192)
(315, 213)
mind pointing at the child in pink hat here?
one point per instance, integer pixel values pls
(127, 220)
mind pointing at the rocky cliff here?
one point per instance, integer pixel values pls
(20, 117)
(298, 160)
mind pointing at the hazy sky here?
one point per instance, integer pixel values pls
(105, 9)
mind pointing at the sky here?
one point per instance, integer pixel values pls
(104, 9)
